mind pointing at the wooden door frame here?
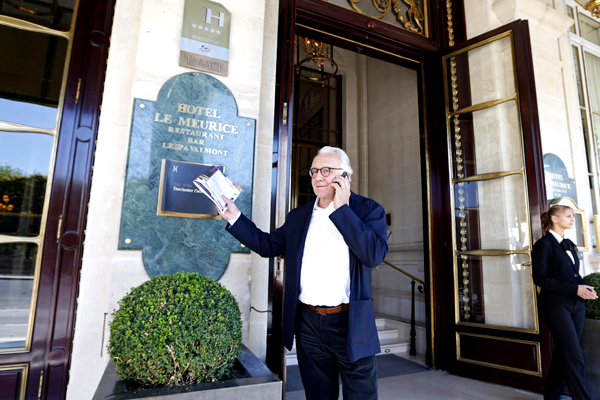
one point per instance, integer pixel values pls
(537, 204)
(54, 320)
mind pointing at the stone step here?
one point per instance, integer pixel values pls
(391, 342)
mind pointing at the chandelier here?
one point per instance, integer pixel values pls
(319, 54)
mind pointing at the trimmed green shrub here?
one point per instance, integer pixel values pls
(176, 330)
(593, 306)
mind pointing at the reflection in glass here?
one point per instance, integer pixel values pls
(303, 156)
(31, 75)
(592, 66)
(17, 270)
(24, 165)
(496, 290)
(490, 141)
(483, 74)
(54, 14)
(318, 110)
(590, 29)
(491, 214)
(571, 15)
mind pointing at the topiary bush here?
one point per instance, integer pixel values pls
(176, 330)
(593, 306)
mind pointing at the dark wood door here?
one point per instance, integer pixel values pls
(51, 78)
(489, 327)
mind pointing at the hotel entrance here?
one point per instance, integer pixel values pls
(443, 132)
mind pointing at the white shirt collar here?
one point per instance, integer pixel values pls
(317, 208)
(556, 236)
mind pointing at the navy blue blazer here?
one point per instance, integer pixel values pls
(553, 269)
(363, 227)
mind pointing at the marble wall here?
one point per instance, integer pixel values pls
(144, 54)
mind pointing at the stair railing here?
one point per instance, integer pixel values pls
(413, 331)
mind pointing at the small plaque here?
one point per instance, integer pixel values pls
(205, 37)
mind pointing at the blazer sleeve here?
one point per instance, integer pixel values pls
(265, 244)
(366, 238)
(541, 259)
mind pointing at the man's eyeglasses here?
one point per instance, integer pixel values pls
(325, 171)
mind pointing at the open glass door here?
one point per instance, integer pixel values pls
(495, 200)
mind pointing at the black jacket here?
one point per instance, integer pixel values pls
(553, 269)
(363, 227)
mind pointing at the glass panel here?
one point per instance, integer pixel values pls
(317, 118)
(496, 290)
(17, 270)
(592, 64)
(31, 74)
(572, 15)
(483, 74)
(24, 164)
(54, 14)
(492, 214)
(489, 140)
(304, 156)
(578, 78)
(590, 29)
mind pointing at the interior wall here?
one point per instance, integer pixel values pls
(394, 181)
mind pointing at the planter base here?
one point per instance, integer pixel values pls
(591, 352)
(258, 383)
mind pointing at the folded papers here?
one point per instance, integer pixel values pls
(215, 184)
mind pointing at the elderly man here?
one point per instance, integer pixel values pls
(330, 247)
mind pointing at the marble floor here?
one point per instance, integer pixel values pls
(434, 385)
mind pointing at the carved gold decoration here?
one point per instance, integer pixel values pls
(413, 20)
(594, 7)
(450, 23)
(460, 174)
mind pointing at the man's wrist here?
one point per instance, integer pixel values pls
(234, 219)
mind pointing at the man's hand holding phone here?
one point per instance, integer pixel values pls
(341, 184)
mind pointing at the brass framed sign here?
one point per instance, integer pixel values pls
(205, 37)
(177, 195)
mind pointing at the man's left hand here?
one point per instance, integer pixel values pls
(342, 191)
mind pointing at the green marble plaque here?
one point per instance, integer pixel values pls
(194, 120)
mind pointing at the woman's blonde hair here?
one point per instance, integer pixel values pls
(553, 211)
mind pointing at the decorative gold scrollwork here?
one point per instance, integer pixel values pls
(413, 19)
(594, 7)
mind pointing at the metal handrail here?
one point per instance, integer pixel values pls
(411, 276)
(413, 330)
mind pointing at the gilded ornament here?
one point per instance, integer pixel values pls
(413, 19)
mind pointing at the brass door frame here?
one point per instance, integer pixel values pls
(453, 112)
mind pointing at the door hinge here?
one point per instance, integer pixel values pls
(285, 113)
(78, 89)
(41, 383)
(58, 231)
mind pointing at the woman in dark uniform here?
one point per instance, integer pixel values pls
(562, 302)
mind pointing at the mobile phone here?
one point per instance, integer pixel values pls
(344, 175)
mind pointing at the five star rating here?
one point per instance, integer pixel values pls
(206, 28)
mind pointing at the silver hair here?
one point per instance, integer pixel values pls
(344, 160)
